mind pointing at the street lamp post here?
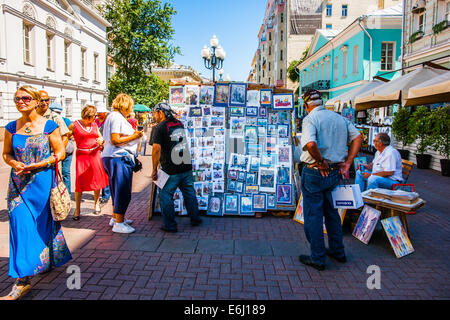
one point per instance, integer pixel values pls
(213, 58)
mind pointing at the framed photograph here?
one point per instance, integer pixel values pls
(215, 206)
(251, 178)
(283, 101)
(251, 111)
(206, 95)
(239, 187)
(284, 155)
(241, 176)
(231, 204)
(238, 94)
(231, 185)
(267, 180)
(271, 201)
(221, 94)
(237, 111)
(254, 163)
(195, 112)
(202, 203)
(262, 112)
(284, 175)
(250, 189)
(284, 194)
(259, 202)
(253, 97)
(272, 130)
(366, 224)
(176, 96)
(251, 134)
(283, 130)
(397, 236)
(246, 206)
(191, 95)
(237, 126)
(265, 97)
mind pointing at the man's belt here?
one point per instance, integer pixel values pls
(333, 166)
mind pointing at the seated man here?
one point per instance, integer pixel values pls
(386, 168)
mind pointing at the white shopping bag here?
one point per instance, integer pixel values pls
(347, 197)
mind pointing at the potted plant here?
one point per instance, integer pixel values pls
(401, 130)
(440, 137)
(420, 123)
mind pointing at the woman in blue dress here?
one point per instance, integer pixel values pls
(31, 146)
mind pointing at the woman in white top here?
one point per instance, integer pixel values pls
(121, 142)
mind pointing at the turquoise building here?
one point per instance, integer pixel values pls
(340, 60)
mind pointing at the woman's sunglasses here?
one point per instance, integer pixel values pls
(24, 99)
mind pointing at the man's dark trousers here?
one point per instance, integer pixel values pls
(317, 204)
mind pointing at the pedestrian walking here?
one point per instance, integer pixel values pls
(31, 146)
(170, 149)
(118, 159)
(70, 148)
(90, 175)
(102, 114)
(325, 135)
(132, 120)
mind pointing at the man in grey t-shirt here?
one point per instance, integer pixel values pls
(325, 135)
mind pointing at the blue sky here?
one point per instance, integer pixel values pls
(236, 24)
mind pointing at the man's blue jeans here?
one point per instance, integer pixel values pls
(106, 193)
(65, 166)
(185, 182)
(317, 205)
(374, 182)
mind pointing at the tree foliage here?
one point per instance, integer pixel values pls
(292, 73)
(440, 137)
(139, 38)
(421, 128)
(401, 127)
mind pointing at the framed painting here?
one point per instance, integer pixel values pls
(254, 163)
(206, 110)
(259, 202)
(298, 215)
(250, 178)
(241, 176)
(231, 186)
(284, 194)
(251, 111)
(202, 203)
(219, 186)
(267, 180)
(237, 111)
(238, 94)
(221, 94)
(176, 96)
(251, 134)
(283, 130)
(215, 205)
(195, 112)
(271, 201)
(397, 236)
(283, 175)
(262, 112)
(366, 224)
(253, 98)
(206, 95)
(192, 95)
(245, 206)
(231, 204)
(283, 101)
(250, 189)
(239, 187)
(265, 97)
(237, 126)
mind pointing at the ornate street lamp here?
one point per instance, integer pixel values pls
(213, 58)
(221, 75)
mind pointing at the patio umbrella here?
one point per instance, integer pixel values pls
(350, 96)
(141, 108)
(435, 90)
(396, 90)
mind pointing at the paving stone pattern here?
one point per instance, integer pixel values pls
(240, 258)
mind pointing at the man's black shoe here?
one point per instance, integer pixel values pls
(168, 230)
(196, 223)
(338, 259)
(307, 260)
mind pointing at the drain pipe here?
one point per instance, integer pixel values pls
(370, 45)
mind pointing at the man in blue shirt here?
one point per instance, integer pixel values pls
(325, 135)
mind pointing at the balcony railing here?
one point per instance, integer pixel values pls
(318, 85)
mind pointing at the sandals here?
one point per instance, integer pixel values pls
(19, 289)
(76, 218)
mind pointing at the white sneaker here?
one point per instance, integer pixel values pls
(113, 221)
(122, 228)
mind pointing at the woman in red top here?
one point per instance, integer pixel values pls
(90, 175)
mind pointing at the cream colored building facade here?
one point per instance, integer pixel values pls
(289, 26)
(175, 71)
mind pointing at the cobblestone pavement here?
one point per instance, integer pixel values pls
(238, 258)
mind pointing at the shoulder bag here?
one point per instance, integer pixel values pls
(59, 197)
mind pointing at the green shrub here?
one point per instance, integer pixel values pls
(401, 127)
(440, 134)
(421, 128)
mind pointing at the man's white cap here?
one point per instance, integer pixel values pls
(102, 109)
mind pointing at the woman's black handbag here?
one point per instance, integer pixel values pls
(137, 165)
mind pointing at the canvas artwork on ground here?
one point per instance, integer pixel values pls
(397, 236)
(366, 224)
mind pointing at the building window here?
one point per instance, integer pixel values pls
(281, 17)
(281, 35)
(344, 64)
(322, 67)
(447, 11)
(95, 67)
(270, 66)
(380, 4)
(387, 56)
(67, 57)
(50, 51)
(329, 26)
(355, 59)
(83, 63)
(336, 60)
(109, 71)
(421, 23)
(270, 50)
(270, 36)
(328, 70)
(344, 10)
(68, 108)
(281, 55)
(329, 10)
(27, 41)
(281, 74)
